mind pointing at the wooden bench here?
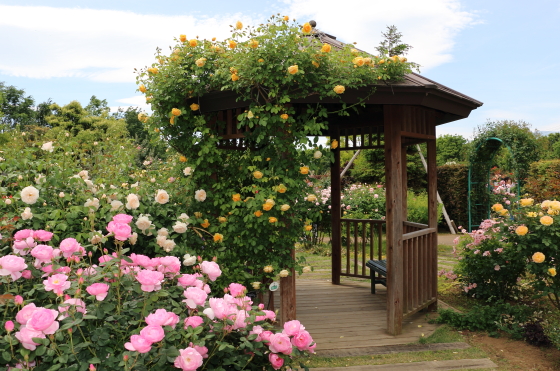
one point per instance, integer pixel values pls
(379, 267)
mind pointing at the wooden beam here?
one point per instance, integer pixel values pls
(394, 202)
(335, 212)
(432, 219)
(404, 184)
(288, 295)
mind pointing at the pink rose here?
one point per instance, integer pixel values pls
(153, 333)
(212, 269)
(188, 280)
(25, 313)
(43, 320)
(99, 290)
(237, 290)
(9, 326)
(78, 304)
(291, 328)
(169, 264)
(122, 218)
(202, 350)
(150, 280)
(280, 343)
(18, 300)
(141, 260)
(25, 336)
(265, 336)
(240, 318)
(27, 274)
(23, 234)
(43, 253)
(138, 344)
(22, 247)
(57, 283)
(69, 246)
(195, 296)
(104, 259)
(161, 317)
(188, 360)
(11, 265)
(121, 231)
(302, 340)
(193, 321)
(276, 361)
(42, 235)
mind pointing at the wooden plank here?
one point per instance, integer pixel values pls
(456, 364)
(288, 295)
(335, 213)
(415, 225)
(432, 217)
(392, 116)
(419, 233)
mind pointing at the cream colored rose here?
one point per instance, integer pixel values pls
(133, 238)
(284, 273)
(116, 205)
(318, 154)
(169, 245)
(311, 198)
(29, 195)
(143, 223)
(268, 269)
(180, 227)
(61, 195)
(8, 201)
(160, 240)
(163, 232)
(132, 202)
(306, 269)
(256, 285)
(184, 217)
(188, 260)
(47, 147)
(187, 171)
(285, 207)
(92, 203)
(162, 197)
(27, 214)
(200, 195)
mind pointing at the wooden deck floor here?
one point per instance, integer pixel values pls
(347, 318)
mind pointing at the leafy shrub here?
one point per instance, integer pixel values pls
(534, 334)
(543, 179)
(453, 190)
(363, 201)
(417, 208)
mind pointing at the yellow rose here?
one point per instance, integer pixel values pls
(532, 214)
(198, 214)
(304, 170)
(311, 198)
(200, 62)
(545, 204)
(142, 88)
(326, 48)
(183, 38)
(270, 201)
(382, 61)
(272, 219)
(552, 271)
(538, 257)
(236, 197)
(339, 89)
(149, 99)
(238, 25)
(551, 211)
(176, 112)
(193, 43)
(253, 44)
(293, 69)
(555, 205)
(206, 223)
(234, 77)
(256, 285)
(402, 59)
(182, 159)
(260, 60)
(286, 18)
(267, 207)
(284, 116)
(334, 144)
(306, 28)
(153, 70)
(268, 269)
(222, 219)
(172, 120)
(504, 212)
(232, 44)
(218, 237)
(284, 273)
(142, 117)
(547, 220)
(526, 202)
(521, 230)
(359, 61)
(285, 207)
(497, 207)
(258, 213)
(316, 64)
(258, 174)
(308, 228)
(194, 107)
(281, 188)
(367, 61)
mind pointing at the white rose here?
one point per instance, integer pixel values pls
(153, 180)
(27, 214)
(284, 273)
(180, 227)
(146, 163)
(200, 195)
(89, 183)
(162, 197)
(317, 154)
(40, 179)
(189, 260)
(61, 194)
(47, 146)
(93, 203)
(67, 134)
(187, 171)
(133, 238)
(184, 217)
(160, 240)
(116, 205)
(29, 195)
(2, 159)
(163, 232)
(84, 174)
(96, 238)
(95, 143)
(143, 223)
(256, 285)
(132, 202)
(8, 201)
(112, 187)
(168, 245)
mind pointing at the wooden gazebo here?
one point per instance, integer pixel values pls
(396, 116)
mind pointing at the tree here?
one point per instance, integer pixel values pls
(97, 107)
(17, 108)
(450, 148)
(392, 45)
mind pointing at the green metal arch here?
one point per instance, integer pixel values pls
(479, 174)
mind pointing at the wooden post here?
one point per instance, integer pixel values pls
(335, 212)
(288, 295)
(432, 217)
(404, 184)
(393, 177)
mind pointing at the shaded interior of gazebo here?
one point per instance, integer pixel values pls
(396, 116)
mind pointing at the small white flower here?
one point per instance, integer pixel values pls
(168, 245)
(8, 201)
(133, 238)
(132, 202)
(153, 180)
(27, 214)
(180, 227)
(162, 197)
(134, 185)
(67, 134)
(188, 260)
(48, 146)
(143, 223)
(92, 203)
(184, 217)
(61, 195)
(2, 159)
(95, 143)
(163, 232)
(29, 195)
(317, 154)
(200, 195)
(188, 171)
(84, 174)
(116, 205)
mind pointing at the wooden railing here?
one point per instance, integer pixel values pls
(361, 240)
(419, 267)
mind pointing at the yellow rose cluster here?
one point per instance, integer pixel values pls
(538, 257)
(267, 206)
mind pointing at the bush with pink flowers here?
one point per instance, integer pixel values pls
(67, 310)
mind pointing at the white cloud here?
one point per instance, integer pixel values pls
(135, 101)
(100, 45)
(430, 26)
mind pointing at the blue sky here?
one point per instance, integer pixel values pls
(503, 53)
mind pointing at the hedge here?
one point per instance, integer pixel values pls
(453, 190)
(543, 181)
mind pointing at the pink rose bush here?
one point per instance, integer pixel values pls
(123, 312)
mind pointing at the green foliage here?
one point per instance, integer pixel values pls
(392, 44)
(268, 67)
(417, 208)
(17, 109)
(360, 201)
(451, 148)
(543, 180)
(453, 190)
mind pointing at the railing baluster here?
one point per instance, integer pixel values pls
(348, 247)
(356, 247)
(364, 224)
